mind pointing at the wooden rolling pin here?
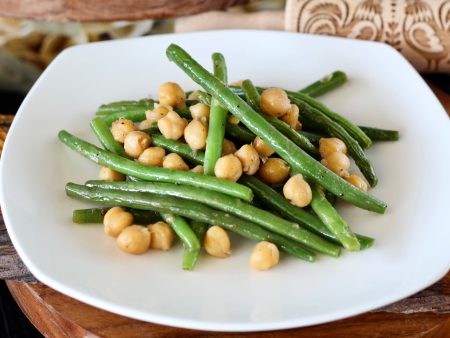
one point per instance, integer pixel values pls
(418, 29)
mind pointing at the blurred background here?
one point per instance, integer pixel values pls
(28, 46)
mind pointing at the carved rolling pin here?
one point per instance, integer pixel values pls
(418, 29)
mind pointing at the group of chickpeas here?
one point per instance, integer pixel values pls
(333, 152)
(138, 239)
(251, 159)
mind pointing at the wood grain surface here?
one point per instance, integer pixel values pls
(56, 315)
(419, 29)
(425, 314)
(108, 10)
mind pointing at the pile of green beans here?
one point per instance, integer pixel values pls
(191, 202)
(299, 160)
(188, 209)
(135, 169)
(228, 204)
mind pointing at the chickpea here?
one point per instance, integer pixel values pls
(115, 220)
(161, 236)
(145, 124)
(265, 256)
(110, 175)
(275, 102)
(331, 145)
(357, 181)
(158, 112)
(236, 83)
(228, 167)
(233, 120)
(174, 162)
(120, 128)
(228, 147)
(249, 158)
(216, 242)
(152, 156)
(274, 170)
(199, 110)
(134, 239)
(172, 126)
(263, 149)
(195, 134)
(136, 142)
(291, 117)
(337, 162)
(172, 94)
(197, 169)
(297, 191)
(194, 95)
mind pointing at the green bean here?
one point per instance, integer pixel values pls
(199, 228)
(190, 258)
(133, 110)
(135, 115)
(314, 138)
(152, 129)
(95, 215)
(352, 129)
(252, 96)
(217, 120)
(336, 130)
(321, 87)
(144, 217)
(131, 168)
(190, 102)
(296, 137)
(188, 237)
(239, 132)
(330, 217)
(326, 84)
(377, 134)
(228, 204)
(273, 200)
(105, 137)
(330, 197)
(185, 113)
(220, 67)
(182, 149)
(296, 157)
(204, 98)
(365, 242)
(188, 209)
(242, 134)
(119, 106)
(91, 215)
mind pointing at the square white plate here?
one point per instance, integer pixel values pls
(412, 248)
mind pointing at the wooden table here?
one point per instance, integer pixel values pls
(108, 10)
(426, 314)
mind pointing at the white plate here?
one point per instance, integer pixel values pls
(412, 249)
